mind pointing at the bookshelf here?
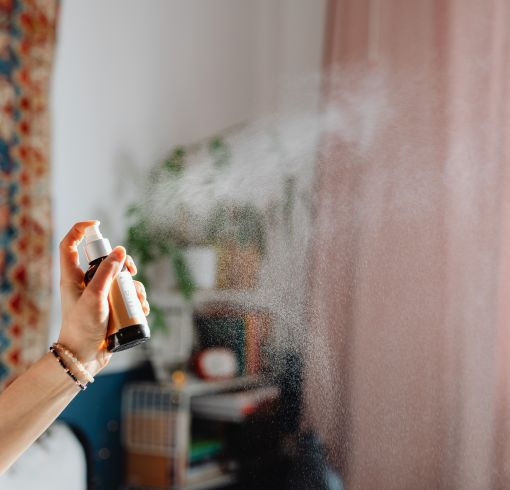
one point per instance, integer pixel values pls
(158, 417)
(157, 421)
(173, 347)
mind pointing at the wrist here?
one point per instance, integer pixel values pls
(93, 360)
(56, 352)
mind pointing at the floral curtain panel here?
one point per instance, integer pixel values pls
(27, 38)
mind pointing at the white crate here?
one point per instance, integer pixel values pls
(154, 417)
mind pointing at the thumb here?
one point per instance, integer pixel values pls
(106, 272)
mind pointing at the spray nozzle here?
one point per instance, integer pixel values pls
(93, 233)
(96, 245)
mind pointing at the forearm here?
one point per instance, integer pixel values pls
(30, 404)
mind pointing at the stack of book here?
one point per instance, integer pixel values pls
(240, 329)
(203, 460)
(236, 406)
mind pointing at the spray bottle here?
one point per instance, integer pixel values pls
(127, 325)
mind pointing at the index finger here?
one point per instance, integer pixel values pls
(70, 270)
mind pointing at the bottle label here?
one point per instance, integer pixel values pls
(128, 292)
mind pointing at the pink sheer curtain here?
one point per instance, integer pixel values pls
(409, 357)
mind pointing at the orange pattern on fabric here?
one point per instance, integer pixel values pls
(27, 38)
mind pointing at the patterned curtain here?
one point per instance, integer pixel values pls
(27, 39)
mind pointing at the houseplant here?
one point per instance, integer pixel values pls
(150, 245)
(230, 230)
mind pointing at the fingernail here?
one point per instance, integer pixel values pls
(118, 254)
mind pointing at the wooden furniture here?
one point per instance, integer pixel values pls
(157, 420)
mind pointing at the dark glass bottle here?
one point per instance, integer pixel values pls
(127, 325)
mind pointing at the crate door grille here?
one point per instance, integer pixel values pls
(150, 418)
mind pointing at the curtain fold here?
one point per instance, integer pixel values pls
(409, 288)
(27, 38)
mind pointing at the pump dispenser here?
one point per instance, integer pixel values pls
(95, 245)
(127, 325)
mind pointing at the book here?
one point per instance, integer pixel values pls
(242, 330)
(233, 407)
(257, 330)
(203, 472)
(204, 450)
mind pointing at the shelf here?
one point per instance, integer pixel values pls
(196, 386)
(215, 482)
(221, 480)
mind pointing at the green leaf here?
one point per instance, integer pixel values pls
(175, 162)
(219, 151)
(183, 276)
(158, 321)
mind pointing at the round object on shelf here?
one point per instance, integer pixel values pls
(216, 363)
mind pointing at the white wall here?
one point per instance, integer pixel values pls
(133, 78)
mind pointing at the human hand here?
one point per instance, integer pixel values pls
(85, 311)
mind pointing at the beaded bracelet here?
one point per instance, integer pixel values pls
(67, 370)
(64, 350)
